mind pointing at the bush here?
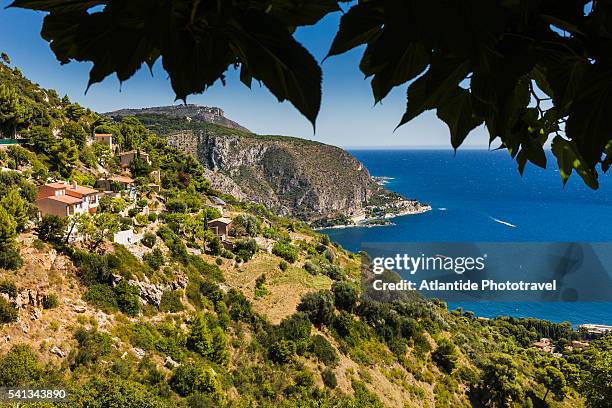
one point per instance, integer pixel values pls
(199, 339)
(132, 212)
(282, 351)
(51, 229)
(148, 239)
(329, 378)
(128, 299)
(152, 217)
(296, 327)
(332, 271)
(9, 257)
(245, 248)
(19, 367)
(311, 268)
(246, 225)
(155, 259)
(8, 287)
(319, 307)
(8, 313)
(445, 356)
(219, 261)
(345, 296)
(92, 345)
(188, 379)
(286, 251)
(283, 265)
(102, 297)
(171, 301)
(324, 351)
(50, 301)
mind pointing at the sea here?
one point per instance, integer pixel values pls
(479, 196)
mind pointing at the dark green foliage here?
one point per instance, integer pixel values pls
(94, 268)
(148, 239)
(500, 383)
(205, 269)
(199, 339)
(245, 248)
(345, 296)
(10, 258)
(50, 301)
(128, 299)
(283, 265)
(282, 351)
(319, 306)
(8, 287)
(189, 378)
(324, 351)
(553, 380)
(8, 313)
(155, 259)
(445, 356)
(296, 327)
(92, 346)
(329, 378)
(171, 301)
(286, 251)
(174, 243)
(19, 367)
(246, 225)
(102, 297)
(52, 228)
(139, 167)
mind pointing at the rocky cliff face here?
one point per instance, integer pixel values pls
(300, 178)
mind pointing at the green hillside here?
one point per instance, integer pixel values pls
(270, 316)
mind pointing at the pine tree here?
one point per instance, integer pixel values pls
(16, 207)
(220, 352)
(200, 338)
(8, 227)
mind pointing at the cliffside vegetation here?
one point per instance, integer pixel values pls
(275, 319)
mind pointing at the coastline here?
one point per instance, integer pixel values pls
(371, 222)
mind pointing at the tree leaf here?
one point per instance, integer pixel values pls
(360, 24)
(569, 159)
(456, 111)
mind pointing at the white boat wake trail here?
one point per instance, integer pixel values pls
(503, 222)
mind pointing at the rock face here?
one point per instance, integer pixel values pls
(300, 178)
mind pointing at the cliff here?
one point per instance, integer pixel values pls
(301, 178)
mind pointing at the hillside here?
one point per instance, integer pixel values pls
(153, 292)
(308, 180)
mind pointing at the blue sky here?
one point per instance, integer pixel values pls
(348, 116)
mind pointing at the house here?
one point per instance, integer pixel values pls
(220, 227)
(545, 345)
(64, 199)
(105, 139)
(127, 157)
(113, 183)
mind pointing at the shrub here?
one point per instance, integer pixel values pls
(282, 351)
(319, 307)
(311, 268)
(283, 265)
(245, 248)
(345, 296)
(260, 286)
(296, 327)
(8, 313)
(102, 297)
(285, 250)
(51, 229)
(205, 269)
(152, 217)
(155, 259)
(128, 299)
(8, 287)
(148, 239)
(329, 378)
(171, 301)
(92, 345)
(50, 301)
(445, 356)
(94, 268)
(132, 212)
(332, 271)
(246, 225)
(200, 337)
(219, 261)
(9, 257)
(19, 367)
(188, 379)
(324, 351)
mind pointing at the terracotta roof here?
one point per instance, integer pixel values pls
(81, 190)
(57, 185)
(103, 134)
(121, 179)
(66, 199)
(222, 220)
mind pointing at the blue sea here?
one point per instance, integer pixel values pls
(478, 195)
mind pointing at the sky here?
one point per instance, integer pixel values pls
(348, 116)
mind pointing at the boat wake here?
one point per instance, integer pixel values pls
(442, 209)
(503, 222)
